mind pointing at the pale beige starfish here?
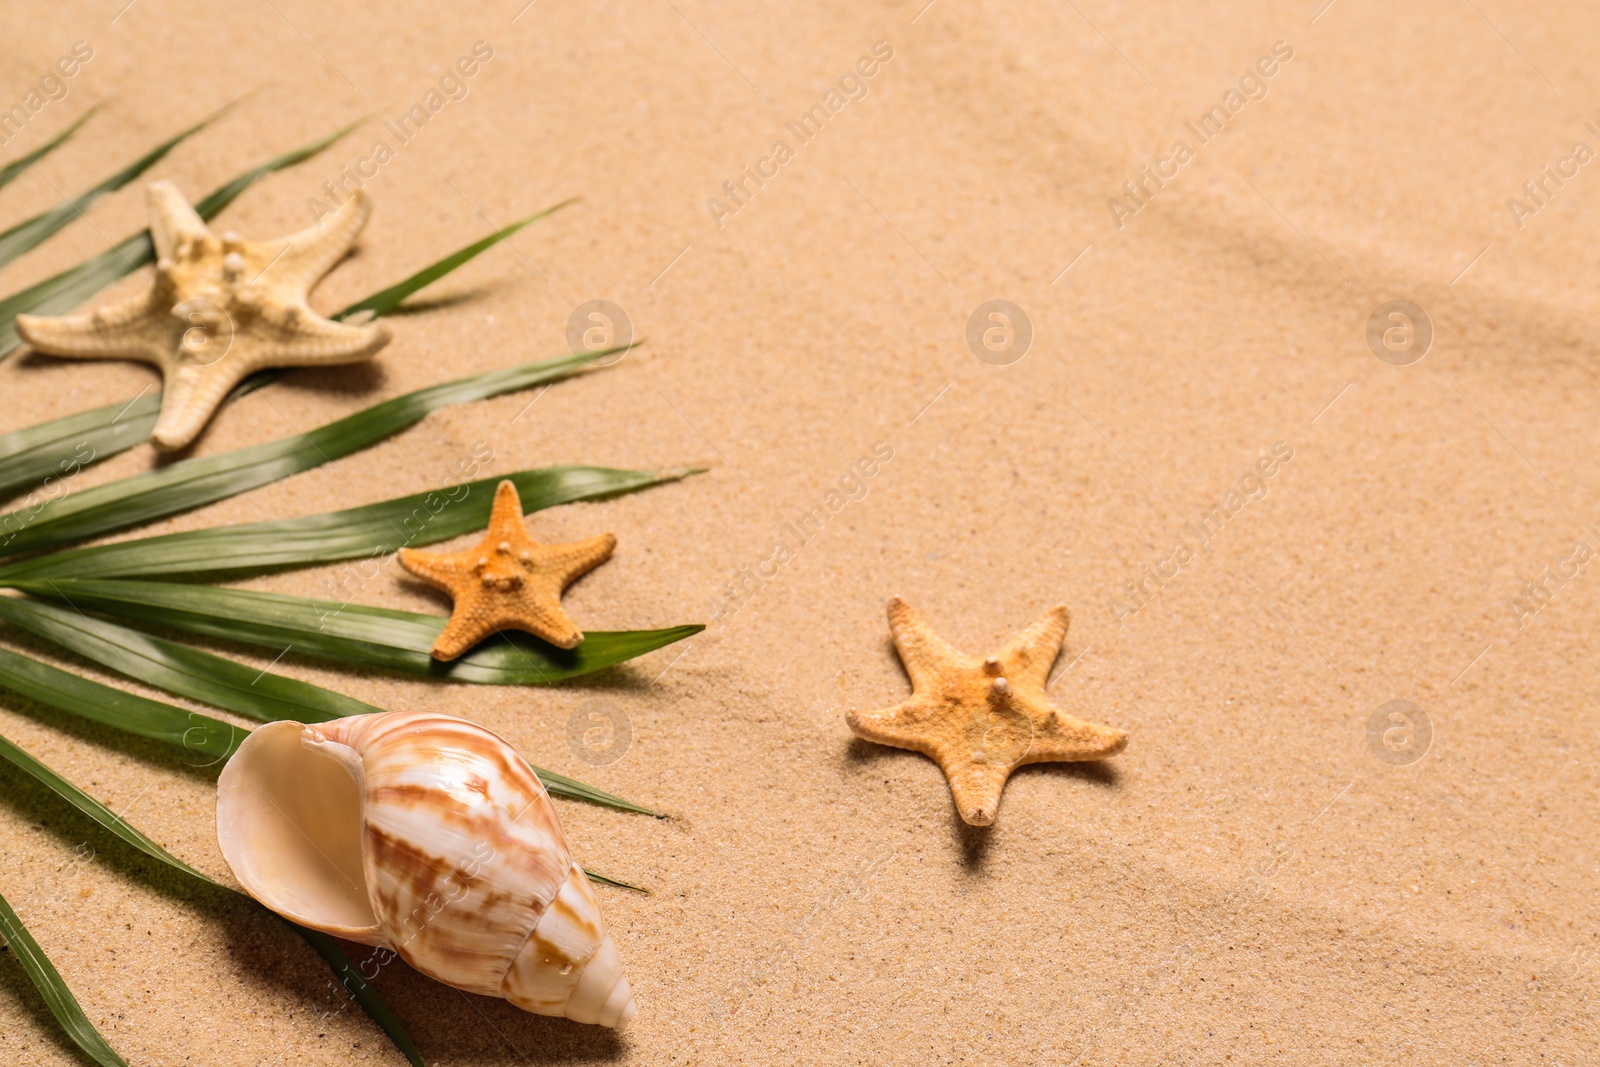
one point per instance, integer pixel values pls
(982, 719)
(221, 309)
(507, 581)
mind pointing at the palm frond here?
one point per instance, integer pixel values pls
(177, 668)
(191, 483)
(385, 301)
(62, 447)
(350, 633)
(31, 455)
(202, 676)
(110, 706)
(370, 531)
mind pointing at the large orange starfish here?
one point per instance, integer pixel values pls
(509, 581)
(982, 719)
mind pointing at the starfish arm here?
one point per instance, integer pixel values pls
(1061, 738)
(442, 570)
(133, 329)
(469, 623)
(924, 653)
(302, 338)
(1027, 657)
(976, 787)
(189, 397)
(173, 223)
(505, 515)
(902, 726)
(569, 562)
(542, 616)
(311, 253)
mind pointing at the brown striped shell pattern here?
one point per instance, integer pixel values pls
(431, 837)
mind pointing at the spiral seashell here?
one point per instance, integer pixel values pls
(430, 836)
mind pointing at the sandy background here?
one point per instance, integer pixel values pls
(1247, 883)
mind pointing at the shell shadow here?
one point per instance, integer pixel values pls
(533, 1038)
(443, 1021)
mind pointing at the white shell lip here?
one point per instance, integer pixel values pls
(315, 878)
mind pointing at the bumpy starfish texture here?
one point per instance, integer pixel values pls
(982, 719)
(509, 581)
(221, 308)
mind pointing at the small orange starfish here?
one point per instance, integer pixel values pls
(508, 581)
(982, 719)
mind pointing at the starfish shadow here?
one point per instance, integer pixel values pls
(976, 841)
(355, 379)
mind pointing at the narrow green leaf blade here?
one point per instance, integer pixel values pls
(214, 680)
(213, 203)
(64, 291)
(351, 633)
(189, 672)
(112, 707)
(71, 287)
(605, 880)
(190, 483)
(366, 532)
(61, 447)
(325, 946)
(30, 233)
(385, 301)
(562, 786)
(10, 171)
(57, 997)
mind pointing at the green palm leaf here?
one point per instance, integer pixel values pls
(189, 672)
(64, 446)
(112, 707)
(619, 883)
(325, 946)
(30, 233)
(371, 531)
(351, 633)
(66, 290)
(57, 997)
(177, 668)
(190, 483)
(386, 300)
(10, 171)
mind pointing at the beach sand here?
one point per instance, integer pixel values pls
(1248, 882)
